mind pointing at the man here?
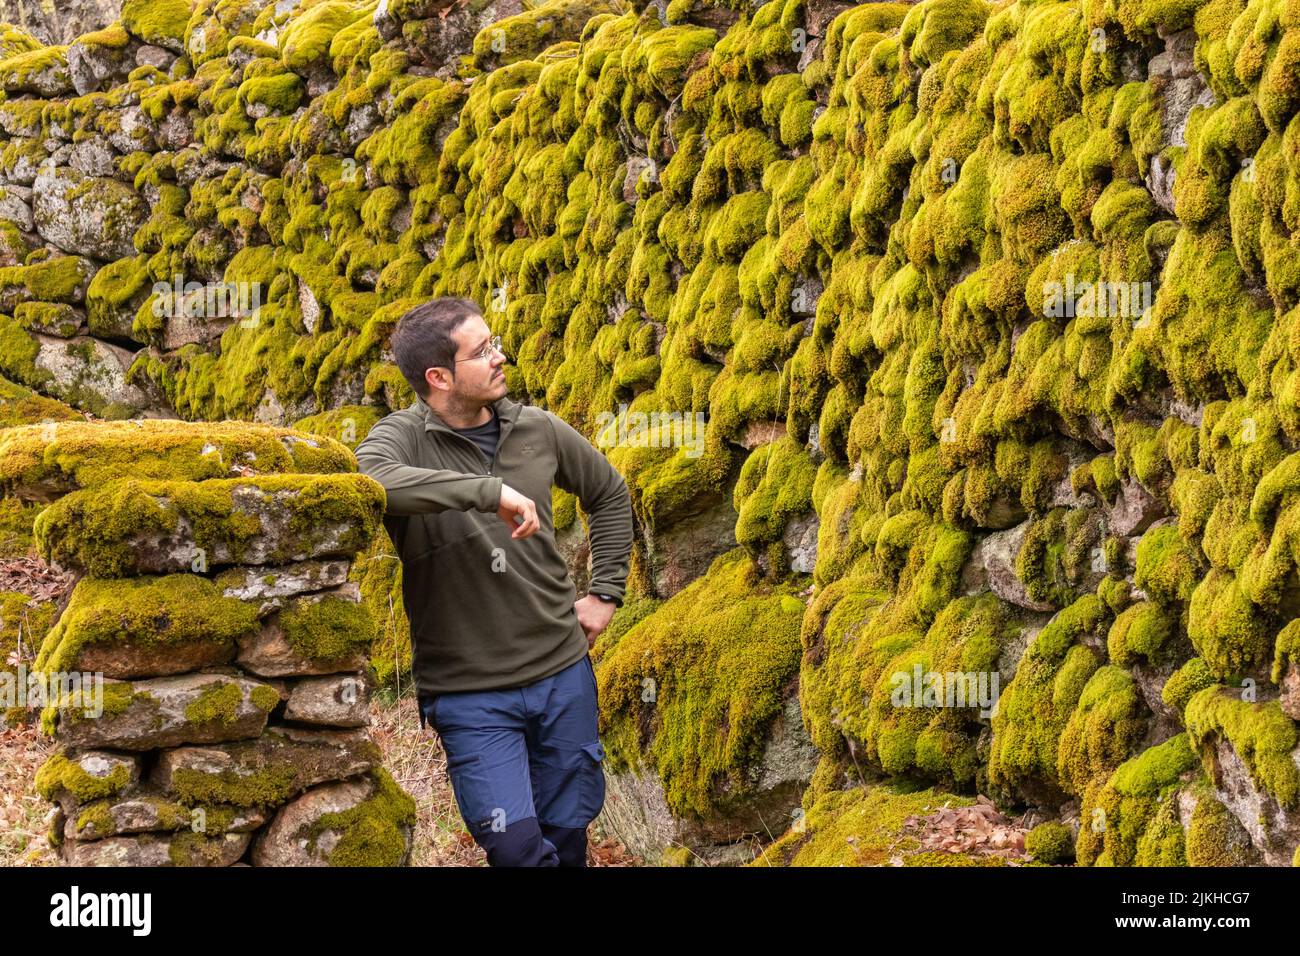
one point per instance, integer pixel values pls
(499, 644)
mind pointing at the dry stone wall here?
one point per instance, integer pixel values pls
(206, 677)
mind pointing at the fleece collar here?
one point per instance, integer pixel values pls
(506, 408)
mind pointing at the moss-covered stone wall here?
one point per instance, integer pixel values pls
(205, 679)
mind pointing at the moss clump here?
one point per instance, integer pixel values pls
(1167, 568)
(1139, 634)
(268, 771)
(157, 21)
(1216, 838)
(348, 424)
(374, 832)
(1121, 820)
(218, 702)
(102, 529)
(22, 406)
(378, 573)
(60, 775)
(1103, 730)
(775, 486)
(308, 36)
(79, 454)
(1050, 842)
(1184, 683)
(739, 642)
(265, 697)
(861, 827)
(328, 629)
(163, 611)
(1260, 733)
(1037, 705)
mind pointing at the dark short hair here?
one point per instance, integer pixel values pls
(422, 339)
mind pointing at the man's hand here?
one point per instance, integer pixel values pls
(593, 615)
(514, 507)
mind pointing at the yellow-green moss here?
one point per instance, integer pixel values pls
(725, 616)
(374, 832)
(328, 629)
(1260, 733)
(861, 827)
(99, 529)
(81, 454)
(60, 774)
(169, 610)
(1050, 842)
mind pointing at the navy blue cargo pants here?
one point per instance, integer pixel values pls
(525, 765)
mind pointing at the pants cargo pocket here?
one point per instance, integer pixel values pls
(591, 783)
(472, 789)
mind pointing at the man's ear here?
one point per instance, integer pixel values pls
(438, 378)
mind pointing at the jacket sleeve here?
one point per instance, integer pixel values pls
(584, 471)
(385, 456)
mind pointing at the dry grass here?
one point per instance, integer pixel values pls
(413, 756)
(22, 810)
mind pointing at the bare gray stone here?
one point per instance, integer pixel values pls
(156, 850)
(342, 701)
(269, 586)
(89, 216)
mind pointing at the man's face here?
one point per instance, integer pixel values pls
(480, 378)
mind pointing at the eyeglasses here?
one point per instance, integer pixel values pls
(494, 345)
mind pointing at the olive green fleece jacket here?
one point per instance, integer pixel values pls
(488, 611)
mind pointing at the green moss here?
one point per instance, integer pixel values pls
(265, 698)
(1167, 568)
(218, 701)
(1103, 730)
(378, 574)
(80, 454)
(58, 279)
(100, 529)
(1183, 684)
(22, 406)
(157, 21)
(1139, 633)
(1216, 838)
(328, 629)
(374, 832)
(724, 615)
(307, 38)
(281, 94)
(260, 773)
(1050, 842)
(172, 610)
(1041, 699)
(1127, 820)
(861, 827)
(60, 775)
(775, 486)
(348, 424)
(1262, 736)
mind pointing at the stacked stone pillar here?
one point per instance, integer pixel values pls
(208, 675)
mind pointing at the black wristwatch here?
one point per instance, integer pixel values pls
(607, 598)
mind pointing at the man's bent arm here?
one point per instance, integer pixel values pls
(384, 456)
(582, 470)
